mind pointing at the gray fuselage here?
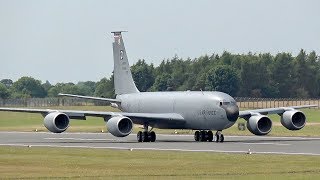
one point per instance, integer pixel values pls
(201, 110)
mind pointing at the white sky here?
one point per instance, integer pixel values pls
(70, 41)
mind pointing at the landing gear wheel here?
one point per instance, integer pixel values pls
(221, 137)
(152, 136)
(210, 136)
(196, 136)
(217, 137)
(139, 136)
(145, 136)
(202, 136)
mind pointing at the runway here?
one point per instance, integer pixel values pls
(232, 144)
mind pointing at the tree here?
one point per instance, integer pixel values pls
(4, 92)
(7, 82)
(282, 75)
(226, 58)
(249, 75)
(223, 78)
(68, 88)
(28, 87)
(162, 83)
(143, 75)
(46, 86)
(254, 76)
(314, 73)
(200, 83)
(55, 90)
(105, 88)
(87, 88)
(302, 74)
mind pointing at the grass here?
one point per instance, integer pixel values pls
(29, 122)
(60, 163)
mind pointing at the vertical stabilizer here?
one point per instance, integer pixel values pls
(123, 81)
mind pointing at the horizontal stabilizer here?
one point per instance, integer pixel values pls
(90, 97)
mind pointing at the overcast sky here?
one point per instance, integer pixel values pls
(70, 41)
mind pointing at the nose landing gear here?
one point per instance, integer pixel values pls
(219, 137)
(208, 136)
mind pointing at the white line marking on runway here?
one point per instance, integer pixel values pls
(87, 139)
(278, 144)
(81, 139)
(159, 149)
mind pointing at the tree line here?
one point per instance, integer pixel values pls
(244, 75)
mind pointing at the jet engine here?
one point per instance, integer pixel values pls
(259, 125)
(56, 122)
(293, 120)
(120, 126)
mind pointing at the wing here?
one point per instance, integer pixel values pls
(248, 113)
(137, 118)
(92, 98)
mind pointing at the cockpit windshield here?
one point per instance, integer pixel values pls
(226, 103)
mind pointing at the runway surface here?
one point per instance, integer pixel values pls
(232, 144)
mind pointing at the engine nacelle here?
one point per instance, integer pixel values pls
(120, 126)
(259, 125)
(56, 122)
(293, 120)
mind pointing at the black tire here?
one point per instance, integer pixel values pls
(210, 136)
(152, 136)
(202, 136)
(145, 137)
(217, 138)
(139, 136)
(196, 135)
(221, 138)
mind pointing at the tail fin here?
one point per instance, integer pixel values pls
(123, 81)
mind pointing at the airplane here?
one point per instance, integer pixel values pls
(202, 111)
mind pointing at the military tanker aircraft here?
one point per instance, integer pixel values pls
(202, 111)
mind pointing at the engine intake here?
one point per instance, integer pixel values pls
(120, 126)
(293, 120)
(259, 125)
(56, 122)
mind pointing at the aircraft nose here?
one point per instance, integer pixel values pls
(232, 111)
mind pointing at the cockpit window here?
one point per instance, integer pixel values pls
(226, 103)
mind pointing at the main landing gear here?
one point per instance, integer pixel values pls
(208, 136)
(146, 136)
